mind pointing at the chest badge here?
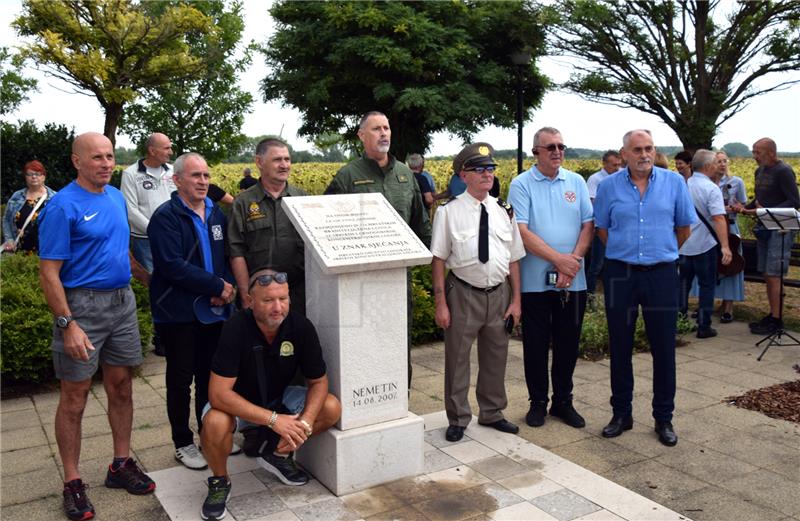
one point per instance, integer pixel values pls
(216, 232)
(148, 185)
(570, 196)
(254, 212)
(287, 348)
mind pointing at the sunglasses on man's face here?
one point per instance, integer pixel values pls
(266, 280)
(553, 146)
(482, 169)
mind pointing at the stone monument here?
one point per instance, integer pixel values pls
(357, 252)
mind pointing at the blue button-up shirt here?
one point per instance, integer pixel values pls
(641, 230)
(555, 210)
(201, 229)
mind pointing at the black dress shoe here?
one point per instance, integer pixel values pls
(454, 433)
(536, 414)
(503, 426)
(666, 434)
(568, 414)
(706, 332)
(617, 425)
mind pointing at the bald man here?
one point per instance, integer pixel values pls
(775, 187)
(85, 275)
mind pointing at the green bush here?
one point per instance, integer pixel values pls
(424, 328)
(28, 322)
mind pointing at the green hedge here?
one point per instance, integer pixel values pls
(28, 322)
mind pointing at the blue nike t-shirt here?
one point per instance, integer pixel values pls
(89, 232)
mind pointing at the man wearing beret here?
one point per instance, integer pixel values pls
(555, 221)
(476, 236)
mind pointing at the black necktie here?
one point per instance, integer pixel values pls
(483, 236)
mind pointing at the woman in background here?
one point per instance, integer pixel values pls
(20, 227)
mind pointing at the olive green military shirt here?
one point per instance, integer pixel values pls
(260, 231)
(397, 184)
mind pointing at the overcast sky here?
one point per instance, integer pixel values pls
(582, 123)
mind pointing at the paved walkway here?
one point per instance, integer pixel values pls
(730, 464)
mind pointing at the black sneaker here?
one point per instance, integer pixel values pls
(767, 328)
(764, 320)
(285, 469)
(536, 414)
(76, 504)
(130, 477)
(214, 507)
(706, 332)
(568, 414)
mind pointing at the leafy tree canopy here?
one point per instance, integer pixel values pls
(429, 66)
(693, 64)
(736, 149)
(15, 87)
(112, 49)
(202, 113)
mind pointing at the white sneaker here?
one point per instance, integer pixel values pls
(235, 449)
(190, 457)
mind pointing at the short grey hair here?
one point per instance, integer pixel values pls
(415, 160)
(702, 158)
(544, 130)
(363, 122)
(627, 137)
(179, 164)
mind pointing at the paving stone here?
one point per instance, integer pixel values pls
(45, 509)
(529, 485)
(521, 511)
(19, 419)
(749, 379)
(564, 505)
(705, 463)
(23, 438)
(329, 510)
(598, 455)
(752, 450)
(406, 513)
(26, 460)
(600, 515)
(436, 438)
(436, 460)
(713, 503)
(708, 369)
(372, 501)
(294, 496)
(30, 486)
(489, 497)
(656, 481)
(468, 451)
(253, 506)
(18, 404)
(553, 433)
(497, 467)
(448, 507)
(769, 489)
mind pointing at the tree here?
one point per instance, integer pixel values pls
(429, 66)
(203, 113)
(736, 149)
(22, 142)
(112, 49)
(15, 87)
(693, 64)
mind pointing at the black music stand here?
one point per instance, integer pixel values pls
(781, 220)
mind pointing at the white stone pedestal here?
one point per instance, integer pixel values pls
(357, 253)
(357, 459)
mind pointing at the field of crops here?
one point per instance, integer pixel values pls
(314, 177)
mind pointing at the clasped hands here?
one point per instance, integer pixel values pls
(567, 265)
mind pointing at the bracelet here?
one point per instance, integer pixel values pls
(309, 430)
(272, 419)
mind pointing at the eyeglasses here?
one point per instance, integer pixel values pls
(34, 174)
(266, 280)
(482, 169)
(553, 146)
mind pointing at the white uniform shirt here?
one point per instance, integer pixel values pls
(455, 240)
(707, 198)
(594, 180)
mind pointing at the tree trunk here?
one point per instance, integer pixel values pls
(113, 114)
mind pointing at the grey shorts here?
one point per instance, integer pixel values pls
(109, 320)
(293, 402)
(770, 250)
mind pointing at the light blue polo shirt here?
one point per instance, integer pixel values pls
(707, 199)
(642, 230)
(555, 210)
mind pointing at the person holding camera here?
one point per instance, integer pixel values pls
(260, 350)
(554, 214)
(476, 236)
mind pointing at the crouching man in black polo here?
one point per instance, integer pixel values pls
(271, 340)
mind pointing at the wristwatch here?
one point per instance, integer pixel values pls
(63, 321)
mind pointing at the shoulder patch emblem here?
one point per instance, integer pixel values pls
(402, 178)
(287, 348)
(363, 182)
(254, 212)
(451, 198)
(507, 207)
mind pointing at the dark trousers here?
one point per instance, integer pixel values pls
(544, 317)
(190, 347)
(656, 291)
(704, 267)
(596, 264)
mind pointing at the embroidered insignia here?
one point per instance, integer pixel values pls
(148, 185)
(216, 232)
(570, 197)
(483, 150)
(402, 178)
(254, 212)
(507, 207)
(287, 349)
(364, 182)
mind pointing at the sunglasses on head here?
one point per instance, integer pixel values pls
(481, 169)
(266, 280)
(553, 146)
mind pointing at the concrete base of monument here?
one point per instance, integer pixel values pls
(360, 458)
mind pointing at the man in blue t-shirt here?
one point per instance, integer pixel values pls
(643, 214)
(554, 215)
(85, 275)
